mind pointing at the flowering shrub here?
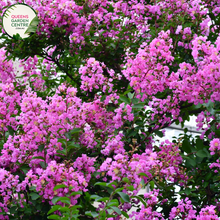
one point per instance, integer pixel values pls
(98, 82)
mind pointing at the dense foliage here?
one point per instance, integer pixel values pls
(99, 82)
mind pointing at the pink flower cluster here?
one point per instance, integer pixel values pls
(185, 210)
(93, 78)
(214, 148)
(208, 213)
(170, 160)
(44, 121)
(7, 70)
(148, 71)
(147, 212)
(148, 74)
(34, 69)
(164, 163)
(8, 183)
(41, 123)
(204, 120)
(60, 173)
(9, 101)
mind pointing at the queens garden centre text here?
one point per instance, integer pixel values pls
(19, 21)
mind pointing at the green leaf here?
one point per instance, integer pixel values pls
(113, 202)
(117, 20)
(41, 147)
(124, 99)
(103, 98)
(25, 168)
(76, 207)
(186, 146)
(140, 199)
(33, 188)
(64, 209)
(113, 45)
(205, 184)
(33, 76)
(54, 200)
(64, 200)
(93, 214)
(201, 153)
(43, 164)
(38, 157)
(103, 199)
(208, 176)
(135, 100)
(59, 187)
(159, 133)
(124, 196)
(119, 189)
(100, 184)
(199, 144)
(210, 106)
(125, 214)
(151, 184)
(188, 191)
(139, 122)
(35, 21)
(191, 162)
(96, 197)
(76, 193)
(110, 213)
(13, 209)
(138, 106)
(217, 132)
(113, 183)
(103, 215)
(116, 209)
(110, 190)
(143, 174)
(32, 26)
(62, 140)
(63, 152)
(34, 196)
(125, 179)
(68, 135)
(75, 130)
(130, 95)
(131, 188)
(110, 185)
(54, 208)
(55, 217)
(59, 155)
(132, 133)
(10, 130)
(72, 145)
(31, 29)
